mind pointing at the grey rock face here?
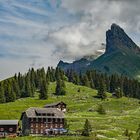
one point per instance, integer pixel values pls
(116, 39)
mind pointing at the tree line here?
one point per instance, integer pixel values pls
(120, 85)
(25, 85)
(21, 86)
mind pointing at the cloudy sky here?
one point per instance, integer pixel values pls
(37, 33)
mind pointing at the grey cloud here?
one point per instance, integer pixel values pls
(74, 41)
(125, 12)
(97, 16)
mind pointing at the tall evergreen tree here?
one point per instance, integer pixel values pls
(9, 93)
(2, 95)
(87, 128)
(60, 87)
(43, 90)
(16, 88)
(101, 109)
(27, 91)
(102, 90)
(118, 92)
(85, 81)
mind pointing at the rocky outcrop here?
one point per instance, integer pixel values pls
(117, 39)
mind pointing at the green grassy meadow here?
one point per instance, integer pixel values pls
(121, 114)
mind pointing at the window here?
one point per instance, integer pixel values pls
(36, 119)
(46, 125)
(41, 124)
(1, 129)
(41, 119)
(51, 126)
(32, 124)
(56, 125)
(11, 129)
(32, 131)
(61, 125)
(36, 124)
(48, 114)
(41, 131)
(36, 131)
(49, 119)
(54, 119)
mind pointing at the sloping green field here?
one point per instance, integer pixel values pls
(121, 113)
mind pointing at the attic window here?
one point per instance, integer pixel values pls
(50, 114)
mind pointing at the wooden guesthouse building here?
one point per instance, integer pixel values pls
(42, 121)
(9, 128)
(59, 105)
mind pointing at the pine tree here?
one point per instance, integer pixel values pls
(43, 90)
(60, 87)
(113, 83)
(101, 110)
(15, 87)
(102, 90)
(76, 79)
(28, 90)
(126, 132)
(87, 128)
(85, 81)
(118, 92)
(58, 74)
(2, 96)
(48, 75)
(9, 93)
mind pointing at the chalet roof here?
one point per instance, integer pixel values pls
(8, 122)
(34, 112)
(54, 104)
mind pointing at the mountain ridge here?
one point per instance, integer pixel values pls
(122, 56)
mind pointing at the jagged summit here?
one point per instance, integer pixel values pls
(117, 39)
(115, 27)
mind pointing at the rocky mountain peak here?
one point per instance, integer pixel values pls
(117, 39)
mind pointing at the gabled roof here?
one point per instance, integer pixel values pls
(35, 112)
(54, 104)
(8, 122)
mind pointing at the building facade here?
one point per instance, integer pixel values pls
(42, 121)
(9, 128)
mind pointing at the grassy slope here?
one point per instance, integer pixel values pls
(121, 113)
(121, 63)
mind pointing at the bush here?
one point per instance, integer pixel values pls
(87, 128)
(101, 110)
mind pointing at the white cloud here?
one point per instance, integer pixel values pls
(86, 36)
